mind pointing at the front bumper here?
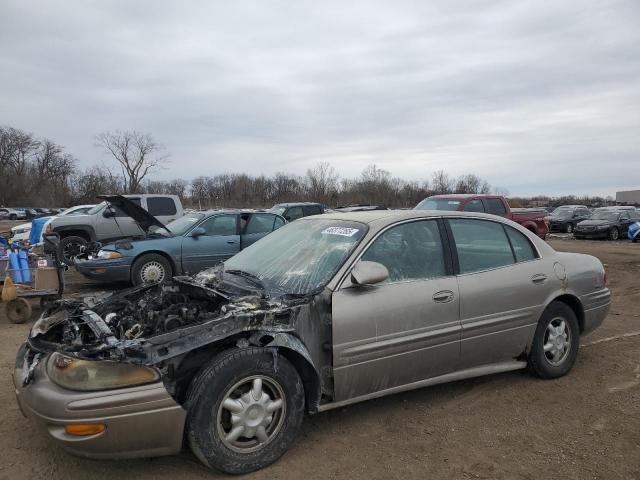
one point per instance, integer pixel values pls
(141, 421)
(106, 270)
(591, 233)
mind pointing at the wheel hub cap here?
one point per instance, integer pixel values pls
(251, 414)
(152, 272)
(557, 341)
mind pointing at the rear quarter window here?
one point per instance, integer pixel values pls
(495, 207)
(161, 206)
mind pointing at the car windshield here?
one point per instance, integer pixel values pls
(438, 204)
(563, 212)
(278, 210)
(97, 208)
(181, 225)
(301, 257)
(605, 215)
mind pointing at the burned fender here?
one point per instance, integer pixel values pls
(294, 350)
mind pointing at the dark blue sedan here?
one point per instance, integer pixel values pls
(184, 247)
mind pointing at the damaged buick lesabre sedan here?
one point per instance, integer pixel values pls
(324, 312)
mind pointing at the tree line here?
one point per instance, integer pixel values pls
(37, 172)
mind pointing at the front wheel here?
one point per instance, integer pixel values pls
(245, 409)
(69, 248)
(555, 343)
(614, 233)
(151, 268)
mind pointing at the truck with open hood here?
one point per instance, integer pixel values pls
(117, 217)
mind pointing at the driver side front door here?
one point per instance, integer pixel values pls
(220, 242)
(405, 329)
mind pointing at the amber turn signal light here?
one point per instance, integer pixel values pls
(84, 429)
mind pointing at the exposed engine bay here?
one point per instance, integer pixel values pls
(120, 326)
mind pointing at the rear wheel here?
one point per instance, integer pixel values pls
(69, 248)
(569, 228)
(151, 268)
(244, 410)
(18, 310)
(614, 233)
(556, 341)
(13, 216)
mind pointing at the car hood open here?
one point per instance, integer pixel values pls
(139, 214)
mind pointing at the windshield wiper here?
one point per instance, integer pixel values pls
(249, 276)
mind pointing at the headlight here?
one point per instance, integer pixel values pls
(108, 254)
(92, 375)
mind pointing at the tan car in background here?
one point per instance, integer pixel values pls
(324, 312)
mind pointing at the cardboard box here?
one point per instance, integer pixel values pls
(46, 278)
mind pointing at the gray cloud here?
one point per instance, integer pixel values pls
(537, 97)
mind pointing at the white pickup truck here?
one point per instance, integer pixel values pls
(109, 221)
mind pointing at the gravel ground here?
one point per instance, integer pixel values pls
(512, 426)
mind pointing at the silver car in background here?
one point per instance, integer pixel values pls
(324, 312)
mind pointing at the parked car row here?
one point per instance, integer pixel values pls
(20, 213)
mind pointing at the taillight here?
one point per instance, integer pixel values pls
(546, 221)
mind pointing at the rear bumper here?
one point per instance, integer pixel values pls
(596, 308)
(105, 270)
(140, 421)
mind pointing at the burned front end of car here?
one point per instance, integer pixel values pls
(174, 329)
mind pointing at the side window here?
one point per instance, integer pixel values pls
(624, 216)
(311, 210)
(279, 222)
(120, 213)
(220, 225)
(294, 213)
(161, 206)
(495, 207)
(481, 244)
(474, 206)
(260, 223)
(522, 248)
(411, 251)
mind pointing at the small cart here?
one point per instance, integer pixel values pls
(46, 283)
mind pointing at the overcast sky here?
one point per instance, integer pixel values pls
(536, 97)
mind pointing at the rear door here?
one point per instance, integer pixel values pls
(625, 221)
(220, 242)
(293, 213)
(404, 330)
(258, 225)
(163, 208)
(503, 286)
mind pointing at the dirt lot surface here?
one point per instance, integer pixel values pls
(512, 426)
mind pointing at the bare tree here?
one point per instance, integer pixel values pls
(441, 182)
(322, 182)
(138, 154)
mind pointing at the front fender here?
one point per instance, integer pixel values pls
(294, 350)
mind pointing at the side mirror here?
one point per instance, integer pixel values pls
(109, 212)
(369, 273)
(198, 232)
(287, 218)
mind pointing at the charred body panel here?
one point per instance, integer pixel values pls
(179, 326)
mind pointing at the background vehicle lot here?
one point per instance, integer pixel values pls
(585, 425)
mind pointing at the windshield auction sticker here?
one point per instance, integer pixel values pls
(344, 231)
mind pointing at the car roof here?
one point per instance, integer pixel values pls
(465, 195)
(296, 204)
(390, 216)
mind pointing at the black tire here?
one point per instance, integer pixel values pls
(578, 237)
(13, 216)
(569, 228)
(140, 272)
(614, 233)
(18, 310)
(539, 362)
(204, 404)
(69, 247)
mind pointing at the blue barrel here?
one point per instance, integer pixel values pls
(14, 266)
(24, 266)
(634, 231)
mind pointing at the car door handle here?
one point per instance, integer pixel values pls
(539, 278)
(231, 241)
(445, 296)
